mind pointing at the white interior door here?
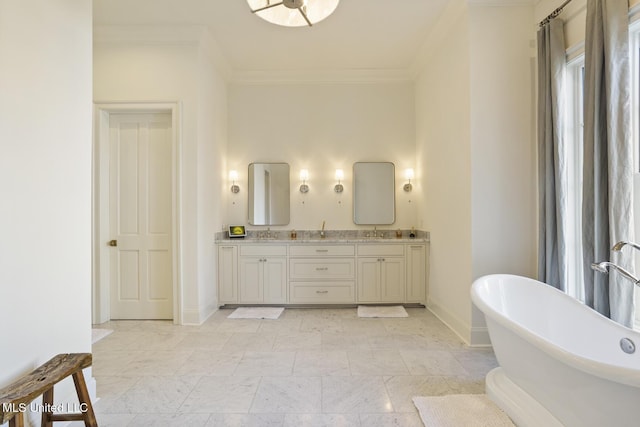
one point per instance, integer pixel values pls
(140, 216)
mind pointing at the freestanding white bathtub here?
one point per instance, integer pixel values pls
(561, 363)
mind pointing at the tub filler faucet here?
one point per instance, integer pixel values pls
(618, 246)
(605, 266)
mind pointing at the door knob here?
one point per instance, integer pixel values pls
(113, 243)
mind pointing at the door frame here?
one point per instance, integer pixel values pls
(101, 300)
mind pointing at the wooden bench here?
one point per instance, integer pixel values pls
(17, 397)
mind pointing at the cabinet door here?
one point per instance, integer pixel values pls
(417, 274)
(250, 280)
(275, 280)
(369, 279)
(227, 274)
(392, 280)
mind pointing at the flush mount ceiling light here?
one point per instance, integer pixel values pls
(293, 13)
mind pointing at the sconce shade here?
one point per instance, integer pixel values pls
(233, 176)
(408, 174)
(339, 188)
(304, 176)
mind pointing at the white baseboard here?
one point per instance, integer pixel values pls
(472, 336)
(480, 337)
(196, 317)
(455, 324)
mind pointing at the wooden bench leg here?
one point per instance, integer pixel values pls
(17, 420)
(83, 397)
(47, 403)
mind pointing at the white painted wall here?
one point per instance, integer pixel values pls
(177, 64)
(45, 182)
(212, 154)
(443, 143)
(503, 144)
(475, 141)
(322, 127)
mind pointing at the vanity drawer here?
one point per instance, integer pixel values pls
(262, 250)
(314, 268)
(375, 250)
(322, 250)
(322, 293)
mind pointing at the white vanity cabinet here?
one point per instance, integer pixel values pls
(227, 274)
(262, 274)
(417, 257)
(381, 273)
(322, 274)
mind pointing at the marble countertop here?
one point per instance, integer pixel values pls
(330, 236)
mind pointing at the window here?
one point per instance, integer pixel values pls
(634, 42)
(574, 140)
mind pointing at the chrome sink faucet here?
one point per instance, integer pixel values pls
(322, 231)
(375, 231)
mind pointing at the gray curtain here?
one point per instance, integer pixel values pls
(552, 156)
(608, 161)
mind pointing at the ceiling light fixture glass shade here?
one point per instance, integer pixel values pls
(293, 13)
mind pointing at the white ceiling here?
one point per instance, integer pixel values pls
(360, 35)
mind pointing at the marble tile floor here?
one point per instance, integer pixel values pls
(310, 367)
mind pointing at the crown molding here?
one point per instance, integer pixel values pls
(200, 37)
(504, 3)
(155, 35)
(147, 34)
(335, 76)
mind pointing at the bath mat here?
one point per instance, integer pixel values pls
(98, 334)
(382, 311)
(461, 410)
(256, 313)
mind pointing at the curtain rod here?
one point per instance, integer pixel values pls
(554, 13)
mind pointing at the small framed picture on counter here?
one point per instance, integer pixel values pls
(237, 231)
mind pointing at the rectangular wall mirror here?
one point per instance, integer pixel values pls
(268, 194)
(374, 197)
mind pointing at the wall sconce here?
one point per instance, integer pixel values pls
(408, 174)
(339, 176)
(304, 176)
(233, 176)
